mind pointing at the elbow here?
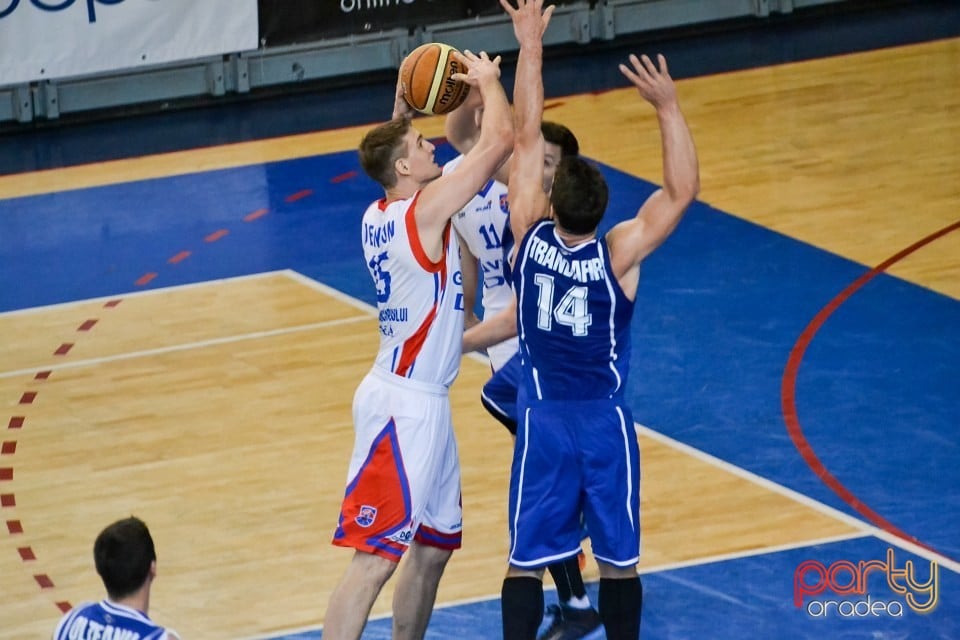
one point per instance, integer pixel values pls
(690, 189)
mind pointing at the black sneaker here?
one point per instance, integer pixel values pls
(567, 623)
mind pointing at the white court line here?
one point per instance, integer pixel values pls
(200, 344)
(137, 294)
(359, 304)
(368, 310)
(863, 529)
(73, 364)
(645, 570)
(866, 528)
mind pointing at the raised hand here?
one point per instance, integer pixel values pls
(530, 20)
(654, 83)
(479, 67)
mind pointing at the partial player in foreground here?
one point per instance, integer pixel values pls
(126, 561)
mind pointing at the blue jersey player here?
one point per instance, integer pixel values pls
(127, 563)
(485, 245)
(576, 448)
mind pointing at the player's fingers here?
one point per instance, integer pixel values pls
(662, 61)
(638, 69)
(648, 65)
(631, 76)
(547, 14)
(508, 7)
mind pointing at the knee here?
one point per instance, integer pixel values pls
(429, 558)
(373, 568)
(616, 573)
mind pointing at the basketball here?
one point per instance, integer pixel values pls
(425, 78)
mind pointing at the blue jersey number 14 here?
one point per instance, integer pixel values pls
(571, 311)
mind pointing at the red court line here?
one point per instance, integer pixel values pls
(87, 325)
(8, 448)
(299, 195)
(144, 279)
(216, 235)
(27, 398)
(6, 473)
(63, 349)
(343, 177)
(64, 606)
(26, 554)
(16, 422)
(259, 213)
(113, 303)
(14, 526)
(44, 581)
(180, 257)
(42, 375)
(8, 500)
(788, 389)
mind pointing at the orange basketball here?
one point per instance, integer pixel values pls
(425, 78)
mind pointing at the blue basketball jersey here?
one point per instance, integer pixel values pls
(573, 318)
(107, 619)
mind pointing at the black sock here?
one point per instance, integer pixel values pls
(521, 605)
(569, 580)
(620, 604)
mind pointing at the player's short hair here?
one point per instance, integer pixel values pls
(380, 149)
(579, 195)
(558, 134)
(123, 553)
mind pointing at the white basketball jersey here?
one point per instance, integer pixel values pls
(480, 223)
(420, 302)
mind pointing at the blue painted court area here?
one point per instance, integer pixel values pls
(754, 598)
(720, 307)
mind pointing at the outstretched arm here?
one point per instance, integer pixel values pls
(492, 330)
(631, 241)
(446, 195)
(528, 202)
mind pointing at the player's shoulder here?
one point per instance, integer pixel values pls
(452, 164)
(63, 626)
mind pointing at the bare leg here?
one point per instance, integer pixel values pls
(353, 597)
(417, 590)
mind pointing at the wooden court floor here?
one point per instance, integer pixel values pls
(220, 412)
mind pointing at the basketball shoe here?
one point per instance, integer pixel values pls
(567, 623)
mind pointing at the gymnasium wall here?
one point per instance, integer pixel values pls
(82, 56)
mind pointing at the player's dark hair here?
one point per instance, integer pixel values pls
(556, 133)
(579, 195)
(381, 148)
(123, 553)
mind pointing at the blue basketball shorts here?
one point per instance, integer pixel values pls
(573, 457)
(499, 394)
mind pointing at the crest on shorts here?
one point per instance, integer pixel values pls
(366, 516)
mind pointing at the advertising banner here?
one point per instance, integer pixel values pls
(297, 21)
(44, 39)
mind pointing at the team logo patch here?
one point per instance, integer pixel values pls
(366, 516)
(504, 205)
